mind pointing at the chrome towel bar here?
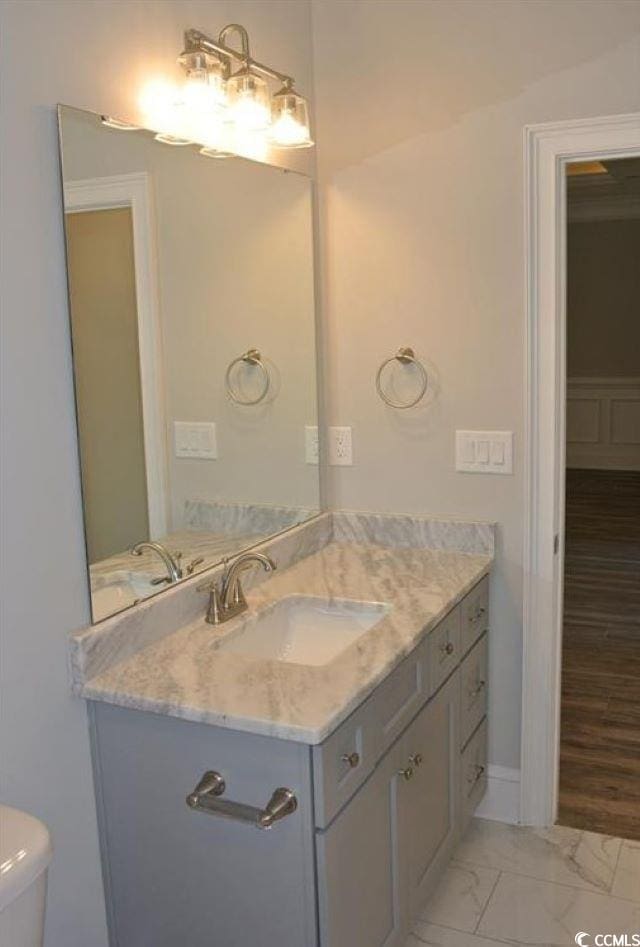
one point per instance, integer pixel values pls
(205, 798)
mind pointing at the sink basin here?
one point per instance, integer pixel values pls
(302, 629)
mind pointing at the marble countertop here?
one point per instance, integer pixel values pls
(185, 675)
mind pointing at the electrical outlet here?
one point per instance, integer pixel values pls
(311, 445)
(340, 450)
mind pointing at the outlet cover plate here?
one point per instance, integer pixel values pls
(340, 447)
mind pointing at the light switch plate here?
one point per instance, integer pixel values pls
(195, 439)
(484, 452)
(340, 448)
(311, 446)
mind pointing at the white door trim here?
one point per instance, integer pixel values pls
(134, 191)
(548, 148)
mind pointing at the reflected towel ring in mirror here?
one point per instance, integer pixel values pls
(252, 357)
(406, 356)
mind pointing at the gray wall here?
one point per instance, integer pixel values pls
(603, 298)
(94, 55)
(420, 109)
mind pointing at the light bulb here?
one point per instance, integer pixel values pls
(248, 101)
(162, 109)
(289, 120)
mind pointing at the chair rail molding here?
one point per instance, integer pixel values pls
(547, 150)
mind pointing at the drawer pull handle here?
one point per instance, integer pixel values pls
(478, 772)
(352, 759)
(205, 798)
(406, 773)
(447, 648)
(416, 760)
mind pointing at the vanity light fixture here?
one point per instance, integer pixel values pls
(226, 97)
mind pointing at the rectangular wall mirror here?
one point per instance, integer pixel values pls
(193, 330)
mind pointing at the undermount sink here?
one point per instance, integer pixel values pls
(303, 629)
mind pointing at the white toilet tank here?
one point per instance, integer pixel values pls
(25, 853)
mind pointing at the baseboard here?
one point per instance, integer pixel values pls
(501, 802)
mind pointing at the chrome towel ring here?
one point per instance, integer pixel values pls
(252, 357)
(406, 356)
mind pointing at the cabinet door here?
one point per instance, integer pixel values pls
(358, 869)
(428, 799)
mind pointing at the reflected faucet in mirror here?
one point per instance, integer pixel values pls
(227, 600)
(171, 561)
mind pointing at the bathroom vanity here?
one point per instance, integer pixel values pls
(383, 747)
(298, 775)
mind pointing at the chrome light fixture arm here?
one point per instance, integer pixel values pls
(195, 41)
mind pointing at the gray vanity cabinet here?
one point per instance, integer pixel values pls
(359, 870)
(178, 877)
(381, 804)
(428, 801)
(380, 858)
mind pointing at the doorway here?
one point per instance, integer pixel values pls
(599, 762)
(548, 150)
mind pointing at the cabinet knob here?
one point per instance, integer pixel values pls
(406, 773)
(476, 773)
(480, 686)
(447, 648)
(416, 759)
(352, 759)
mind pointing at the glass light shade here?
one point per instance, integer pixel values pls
(289, 120)
(163, 112)
(248, 97)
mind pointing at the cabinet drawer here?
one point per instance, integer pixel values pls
(443, 649)
(342, 763)
(398, 699)
(473, 774)
(473, 689)
(475, 614)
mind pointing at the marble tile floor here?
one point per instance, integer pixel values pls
(535, 887)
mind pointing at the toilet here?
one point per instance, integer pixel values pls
(25, 853)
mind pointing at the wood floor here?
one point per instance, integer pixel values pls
(600, 720)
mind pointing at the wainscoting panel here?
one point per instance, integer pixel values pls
(603, 423)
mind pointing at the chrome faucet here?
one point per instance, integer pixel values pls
(227, 599)
(171, 561)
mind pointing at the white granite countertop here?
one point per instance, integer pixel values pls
(185, 675)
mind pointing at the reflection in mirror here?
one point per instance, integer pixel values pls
(193, 331)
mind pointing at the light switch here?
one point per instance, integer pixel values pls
(484, 451)
(497, 453)
(196, 439)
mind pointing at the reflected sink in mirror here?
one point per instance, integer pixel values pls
(120, 590)
(303, 629)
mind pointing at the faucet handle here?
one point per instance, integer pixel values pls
(214, 607)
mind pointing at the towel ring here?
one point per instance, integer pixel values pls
(406, 356)
(252, 357)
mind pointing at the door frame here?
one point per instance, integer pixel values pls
(134, 191)
(548, 149)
